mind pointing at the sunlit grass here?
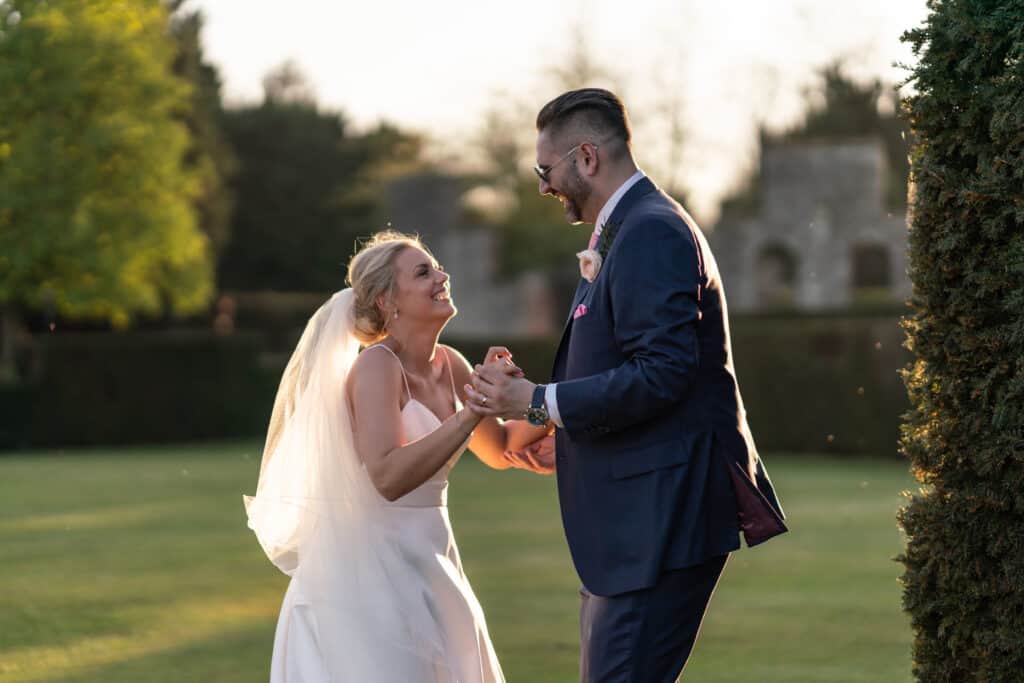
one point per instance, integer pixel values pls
(136, 565)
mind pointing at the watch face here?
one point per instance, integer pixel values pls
(537, 416)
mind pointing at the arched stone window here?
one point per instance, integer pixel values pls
(871, 275)
(776, 275)
(871, 268)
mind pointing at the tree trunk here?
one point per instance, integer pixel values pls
(10, 323)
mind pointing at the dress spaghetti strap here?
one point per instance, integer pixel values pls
(451, 377)
(401, 367)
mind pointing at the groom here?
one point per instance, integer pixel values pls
(657, 470)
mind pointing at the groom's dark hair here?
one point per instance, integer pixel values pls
(595, 109)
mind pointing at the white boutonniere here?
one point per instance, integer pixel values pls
(590, 264)
(591, 260)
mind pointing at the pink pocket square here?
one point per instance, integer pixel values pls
(581, 311)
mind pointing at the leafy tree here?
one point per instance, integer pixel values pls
(579, 67)
(846, 108)
(531, 227)
(96, 214)
(209, 155)
(534, 234)
(305, 188)
(843, 108)
(964, 435)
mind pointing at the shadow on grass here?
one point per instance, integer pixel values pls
(58, 622)
(229, 656)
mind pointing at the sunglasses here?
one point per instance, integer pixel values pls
(543, 172)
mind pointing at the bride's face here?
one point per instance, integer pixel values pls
(423, 292)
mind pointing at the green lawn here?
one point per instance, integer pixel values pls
(135, 565)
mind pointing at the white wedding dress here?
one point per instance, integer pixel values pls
(378, 593)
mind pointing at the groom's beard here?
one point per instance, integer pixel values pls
(575, 195)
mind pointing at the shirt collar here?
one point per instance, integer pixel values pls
(609, 206)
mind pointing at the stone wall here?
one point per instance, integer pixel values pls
(431, 205)
(821, 227)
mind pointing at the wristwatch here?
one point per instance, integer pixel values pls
(537, 413)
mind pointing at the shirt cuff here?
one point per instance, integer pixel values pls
(551, 403)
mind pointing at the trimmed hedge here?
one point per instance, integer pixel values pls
(815, 384)
(826, 384)
(810, 383)
(109, 388)
(964, 578)
(534, 356)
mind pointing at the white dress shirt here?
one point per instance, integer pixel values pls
(550, 393)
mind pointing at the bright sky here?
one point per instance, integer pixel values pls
(438, 66)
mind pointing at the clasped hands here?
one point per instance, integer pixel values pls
(499, 389)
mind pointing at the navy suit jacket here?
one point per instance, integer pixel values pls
(652, 414)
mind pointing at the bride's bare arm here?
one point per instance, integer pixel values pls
(396, 468)
(492, 437)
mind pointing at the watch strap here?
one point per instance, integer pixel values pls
(538, 396)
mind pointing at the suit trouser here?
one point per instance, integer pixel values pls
(646, 636)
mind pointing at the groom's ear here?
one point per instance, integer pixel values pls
(589, 161)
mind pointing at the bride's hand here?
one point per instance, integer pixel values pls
(475, 409)
(538, 456)
(503, 357)
(473, 412)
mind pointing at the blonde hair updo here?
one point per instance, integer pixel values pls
(371, 274)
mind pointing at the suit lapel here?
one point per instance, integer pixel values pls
(642, 187)
(581, 291)
(558, 369)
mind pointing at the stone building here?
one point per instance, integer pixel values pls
(820, 236)
(431, 205)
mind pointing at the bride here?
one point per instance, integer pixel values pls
(352, 493)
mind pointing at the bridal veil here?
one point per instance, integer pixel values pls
(319, 520)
